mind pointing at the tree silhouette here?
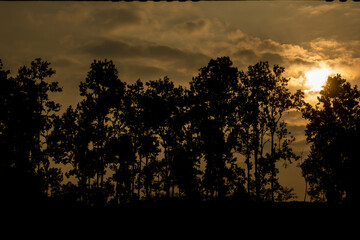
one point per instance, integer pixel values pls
(333, 131)
(103, 91)
(124, 143)
(121, 150)
(28, 118)
(69, 143)
(253, 83)
(213, 92)
(186, 148)
(15, 166)
(139, 121)
(85, 137)
(280, 100)
(165, 109)
(265, 98)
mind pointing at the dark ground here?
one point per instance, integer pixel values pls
(190, 210)
(183, 219)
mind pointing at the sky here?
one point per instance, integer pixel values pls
(150, 40)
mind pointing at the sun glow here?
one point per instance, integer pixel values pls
(316, 78)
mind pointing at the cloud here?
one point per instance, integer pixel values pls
(181, 38)
(236, 35)
(269, 45)
(110, 18)
(110, 48)
(247, 55)
(150, 51)
(294, 57)
(272, 58)
(340, 56)
(317, 9)
(100, 15)
(329, 48)
(193, 26)
(300, 61)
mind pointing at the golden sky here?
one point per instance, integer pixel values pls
(152, 40)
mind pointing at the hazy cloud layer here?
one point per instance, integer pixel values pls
(184, 36)
(177, 39)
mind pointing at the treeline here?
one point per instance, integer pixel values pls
(221, 138)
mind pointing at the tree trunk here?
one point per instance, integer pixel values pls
(248, 170)
(257, 185)
(167, 178)
(147, 181)
(272, 165)
(139, 177)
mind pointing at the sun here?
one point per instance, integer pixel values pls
(316, 78)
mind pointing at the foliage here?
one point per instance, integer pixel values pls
(148, 140)
(27, 117)
(333, 131)
(264, 100)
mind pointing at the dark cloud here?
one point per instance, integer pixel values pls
(270, 45)
(192, 26)
(272, 58)
(246, 55)
(109, 48)
(163, 52)
(300, 61)
(118, 49)
(117, 17)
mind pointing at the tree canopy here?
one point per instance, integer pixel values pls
(333, 131)
(221, 138)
